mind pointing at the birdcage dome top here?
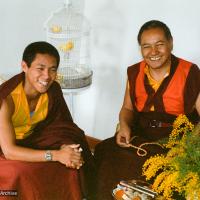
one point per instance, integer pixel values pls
(65, 20)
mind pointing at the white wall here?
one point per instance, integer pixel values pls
(115, 24)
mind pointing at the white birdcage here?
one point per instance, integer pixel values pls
(69, 31)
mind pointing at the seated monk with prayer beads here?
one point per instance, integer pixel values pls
(159, 88)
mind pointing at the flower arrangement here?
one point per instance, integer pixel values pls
(179, 170)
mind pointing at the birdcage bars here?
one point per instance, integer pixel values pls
(69, 31)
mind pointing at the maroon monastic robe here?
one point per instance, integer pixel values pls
(47, 180)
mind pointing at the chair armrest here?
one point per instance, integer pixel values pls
(92, 142)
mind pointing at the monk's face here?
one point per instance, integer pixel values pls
(41, 73)
(156, 48)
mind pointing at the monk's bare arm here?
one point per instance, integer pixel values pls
(12, 151)
(125, 119)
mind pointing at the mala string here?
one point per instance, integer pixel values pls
(141, 151)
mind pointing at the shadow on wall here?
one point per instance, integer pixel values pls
(107, 45)
(108, 83)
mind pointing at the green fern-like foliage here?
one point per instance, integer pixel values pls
(189, 161)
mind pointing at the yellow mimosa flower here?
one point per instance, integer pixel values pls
(178, 170)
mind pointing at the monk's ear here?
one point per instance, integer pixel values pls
(24, 66)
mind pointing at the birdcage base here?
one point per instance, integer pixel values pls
(67, 83)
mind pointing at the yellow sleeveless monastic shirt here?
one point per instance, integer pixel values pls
(22, 120)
